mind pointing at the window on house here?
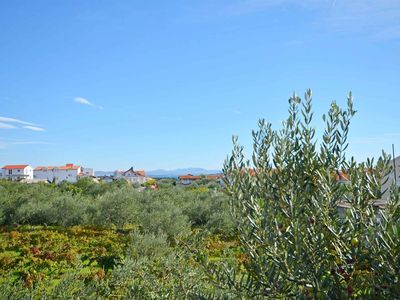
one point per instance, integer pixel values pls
(10, 172)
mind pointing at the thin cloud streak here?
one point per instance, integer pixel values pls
(10, 123)
(6, 126)
(379, 20)
(12, 120)
(84, 101)
(34, 128)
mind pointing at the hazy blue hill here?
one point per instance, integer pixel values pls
(169, 173)
(178, 172)
(103, 173)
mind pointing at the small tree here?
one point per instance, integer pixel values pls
(118, 207)
(285, 203)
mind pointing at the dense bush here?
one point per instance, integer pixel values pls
(285, 203)
(166, 182)
(118, 207)
(172, 211)
(164, 218)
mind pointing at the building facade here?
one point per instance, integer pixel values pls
(188, 179)
(69, 172)
(17, 172)
(87, 172)
(392, 178)
(132, 176)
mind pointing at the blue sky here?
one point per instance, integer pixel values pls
(165, 84)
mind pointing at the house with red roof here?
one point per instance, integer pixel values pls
(69, 172)
(17, 172)
(132, 176)
(189, 178)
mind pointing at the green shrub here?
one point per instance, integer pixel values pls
(285, 203)
(164, 217)
(154, 269)
(118, 207)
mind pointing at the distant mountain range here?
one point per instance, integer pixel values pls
(169, 173)
(103, 173)
(178, 172)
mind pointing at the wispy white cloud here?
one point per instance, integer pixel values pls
(11, 123)
(6, 143)
(377, 19)
(84, 101)
(34, 128)
(12, 120)
(6, 126)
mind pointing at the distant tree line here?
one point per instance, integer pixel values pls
(173, 211)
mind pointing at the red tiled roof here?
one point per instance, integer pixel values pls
(214, 176)
(341, 175)
(189, 177)
(41, 168)
(13, 167)
(193, 177)
(66, 167)
(141, 172)
(69, 167)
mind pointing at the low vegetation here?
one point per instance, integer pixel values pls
(275, 231)
(93, 240)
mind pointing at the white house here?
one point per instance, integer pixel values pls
(87, 172)
(17, 172)
(132, 176)
(69, 172)
(391, 178)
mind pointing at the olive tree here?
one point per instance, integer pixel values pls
(286, 200)
(117, 207)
